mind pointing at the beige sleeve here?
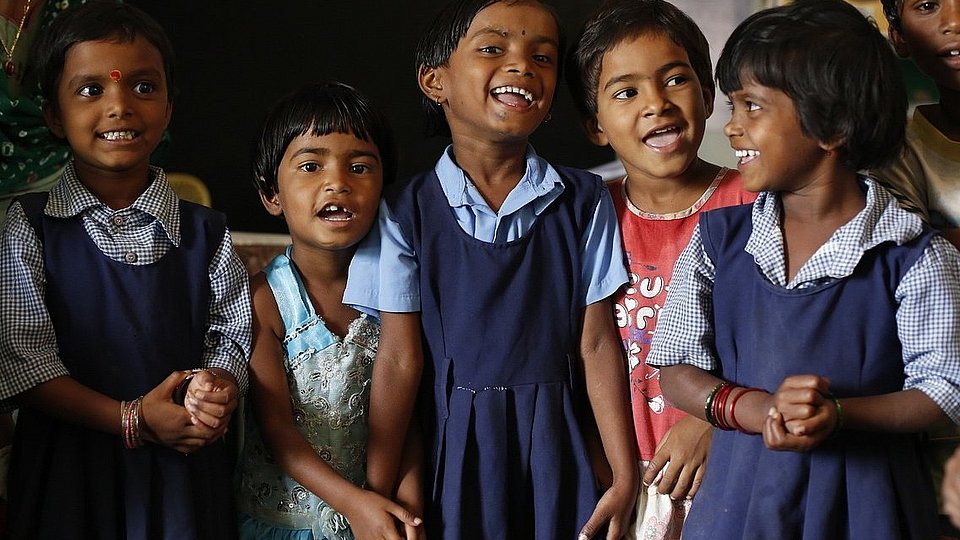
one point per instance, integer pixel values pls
(905, 178)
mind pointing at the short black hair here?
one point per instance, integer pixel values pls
(836, 66)
(96, 20)
(891, 10)
(320, 109)
(616, 21)
(441, 37)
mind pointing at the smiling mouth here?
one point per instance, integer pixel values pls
(333, 212)
(513, 96)
(746, 156)
(127, 135)
(662, 138)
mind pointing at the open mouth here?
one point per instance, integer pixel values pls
(513, 96)
(127, 135)
(746, 156)
(661, 138)
(334, 212)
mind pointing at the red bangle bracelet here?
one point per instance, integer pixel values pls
(733, 407)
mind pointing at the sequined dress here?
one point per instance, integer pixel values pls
(329, 380)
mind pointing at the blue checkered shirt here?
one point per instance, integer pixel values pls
(928, 316)
(139, 235)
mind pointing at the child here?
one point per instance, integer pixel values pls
(925, 176)
(509, 263)
(110, 289)
(641, 75)
(322, 159)
(824, 317)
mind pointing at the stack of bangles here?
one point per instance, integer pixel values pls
(715, 407)
(130, 414)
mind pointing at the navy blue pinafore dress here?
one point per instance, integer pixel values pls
(121, 330)
(502, 392)
(855, 486)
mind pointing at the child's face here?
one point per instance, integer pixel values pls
(773, 152)
(328, 190)
(930, 34)
(112, 106)
(500, 81)
(650, 107)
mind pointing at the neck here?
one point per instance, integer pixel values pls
(659, 195)
(116, 190)
(495, 169)
(322, 265)
(833, 198)
(947, 118)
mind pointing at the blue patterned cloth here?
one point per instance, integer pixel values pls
(329, 381)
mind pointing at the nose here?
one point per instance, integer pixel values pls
(732, 128)
(119, 102)
(950, 10)
(655, 101)
(520, 64)
(336, 182)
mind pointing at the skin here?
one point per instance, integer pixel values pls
(507, 45)
(89, 103)
(818, 194)
(647, 85)
(928, 32)
(316, 172)
(951, 488)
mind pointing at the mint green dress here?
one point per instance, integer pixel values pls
(329, 381)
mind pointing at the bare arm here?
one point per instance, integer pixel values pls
(606, 382)
(393, 393)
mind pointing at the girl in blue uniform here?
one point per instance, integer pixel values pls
(505, 264)
(322, 159)
(819, 328)
(111, 292)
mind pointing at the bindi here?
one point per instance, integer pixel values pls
(116, 75)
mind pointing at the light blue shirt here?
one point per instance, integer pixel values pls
(385, 271)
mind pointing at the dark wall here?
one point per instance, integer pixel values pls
(235, 59)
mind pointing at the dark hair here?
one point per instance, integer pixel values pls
(891, 10)
(616, 21)
(838, 69)
(96, 20)
(441, 37)
(320, 109)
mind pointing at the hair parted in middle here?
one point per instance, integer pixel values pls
(320, 109)
(616, 21)
(836, 66)
(441, 37)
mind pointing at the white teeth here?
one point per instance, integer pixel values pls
(118, 135)
(332, 208)
(514, 90)
(746, 153)
(953, 53)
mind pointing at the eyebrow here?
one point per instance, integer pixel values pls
(503, 32)
(628, 76)
(323, 151)
(135, 74)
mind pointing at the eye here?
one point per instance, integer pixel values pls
(145, 87)
(927, 6)
(543, 58)
(625, 94)
(309, 167)
(491, 49)
(676, 80)
(751, 106)
(90, 90)
(360, 168)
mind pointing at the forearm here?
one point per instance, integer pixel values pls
(906, 411)
(68, 400)
(396, 380)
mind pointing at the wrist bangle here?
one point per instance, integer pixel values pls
(733, 408)
(708, 404)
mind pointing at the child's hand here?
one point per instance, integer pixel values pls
(685, 448)
(615, 510)
(211, 399)
(776, 436)
(168, 424)
(373, 516)
(802, 404)
(951, 488)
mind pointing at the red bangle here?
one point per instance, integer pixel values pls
(733, 407)
(721, 404)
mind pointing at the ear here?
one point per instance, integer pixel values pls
(51, 116)
(430, 81)
(272, 204)
(595, 132)
(899, 45)
(708, 101)
(834, 143)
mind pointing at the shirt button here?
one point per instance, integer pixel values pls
(118, 221)
(130, 257)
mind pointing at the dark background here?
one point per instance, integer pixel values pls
(234, 59)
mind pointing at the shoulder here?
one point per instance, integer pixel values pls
(265, 310)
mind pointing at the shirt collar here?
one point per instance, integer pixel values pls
(539, 179)
(70, 197)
